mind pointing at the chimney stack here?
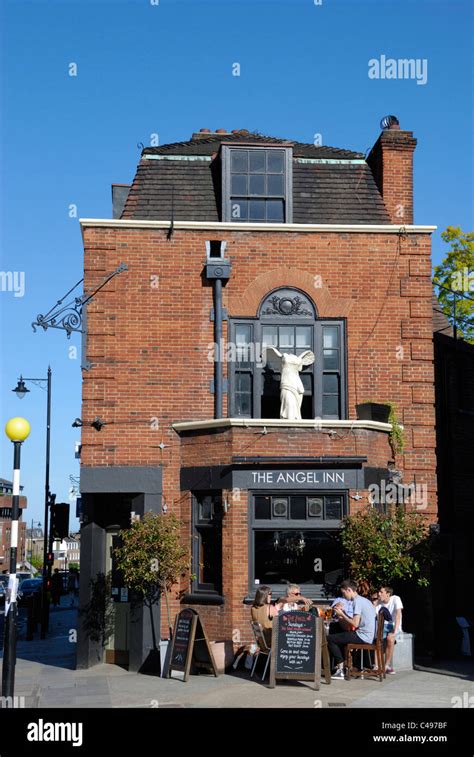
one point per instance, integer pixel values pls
(391, 162)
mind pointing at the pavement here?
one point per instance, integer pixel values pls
(46, 677)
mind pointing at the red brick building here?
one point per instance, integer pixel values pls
(6, 489)
(242, 241)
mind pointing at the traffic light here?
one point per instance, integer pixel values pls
(50, 558)
(60, 520)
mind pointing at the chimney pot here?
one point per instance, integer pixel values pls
(204, 131)
(221, 131)
(389, 122)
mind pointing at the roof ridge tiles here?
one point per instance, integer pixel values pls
(218, 139)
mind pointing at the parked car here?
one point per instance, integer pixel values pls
(3, 586)
(29, 587)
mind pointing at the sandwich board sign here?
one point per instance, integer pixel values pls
(298, 643)
(190, 647)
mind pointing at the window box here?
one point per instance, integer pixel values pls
(373, 411)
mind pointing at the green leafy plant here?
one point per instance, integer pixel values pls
(397, 435)
(98, 614)
(381, 548)
(456, 275)
(36, 562)
(152, 559)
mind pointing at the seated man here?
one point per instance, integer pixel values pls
(393, 603)
(348, 607)
(363, 621)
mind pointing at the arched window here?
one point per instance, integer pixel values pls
(288, 320)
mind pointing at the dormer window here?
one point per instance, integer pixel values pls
(256, 184)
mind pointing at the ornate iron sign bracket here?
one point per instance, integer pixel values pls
(69, 317)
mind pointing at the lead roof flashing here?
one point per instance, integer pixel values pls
(205, 158)
(208, 159)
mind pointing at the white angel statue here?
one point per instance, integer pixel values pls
(291, 386)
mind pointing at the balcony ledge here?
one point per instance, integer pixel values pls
(307, 423)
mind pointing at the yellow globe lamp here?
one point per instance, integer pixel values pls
(17, 429)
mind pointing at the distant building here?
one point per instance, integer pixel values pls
(34, 543)
(6, 487)
(67, 551)
(6, 490)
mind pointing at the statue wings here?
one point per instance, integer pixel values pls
(273, 358)
(307, 357)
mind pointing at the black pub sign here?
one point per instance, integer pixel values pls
(296, 479)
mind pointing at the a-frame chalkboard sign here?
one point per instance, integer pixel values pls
(190, 646)
(298, 645)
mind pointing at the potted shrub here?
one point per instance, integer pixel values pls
(381, 548)
(152, 560)
(97, 616)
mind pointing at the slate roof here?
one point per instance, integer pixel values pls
(441, 325)
(341, 192)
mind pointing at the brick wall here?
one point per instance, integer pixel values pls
(149, 331)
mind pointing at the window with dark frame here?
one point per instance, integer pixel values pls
(296, 539)
(255, 387)
(207, 542)
(257, 184)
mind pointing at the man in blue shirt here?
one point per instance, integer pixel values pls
(363, 621)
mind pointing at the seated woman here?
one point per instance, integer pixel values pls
(263, 611)
(294, 600)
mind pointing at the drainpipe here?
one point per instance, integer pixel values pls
(218, 378)
(218, 271)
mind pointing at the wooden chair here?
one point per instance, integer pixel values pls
(262, 647)
(377, 646)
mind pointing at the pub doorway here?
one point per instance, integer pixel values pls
(118, 620)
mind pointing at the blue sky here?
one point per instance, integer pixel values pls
(166, 68)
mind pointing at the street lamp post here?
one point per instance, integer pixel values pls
(17, 430)
(20, 391)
